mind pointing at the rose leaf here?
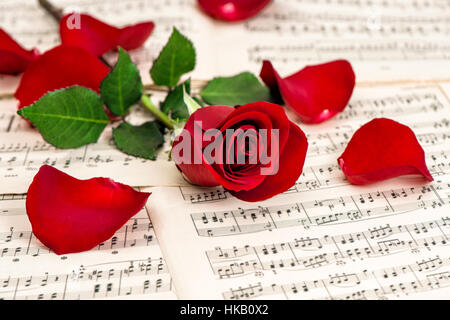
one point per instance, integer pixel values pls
(68, 118)
(140, 141)
(175, 59)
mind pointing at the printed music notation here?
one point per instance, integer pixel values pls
(316, 213)
(115, 268)
(15, 17)
(23, 151)
(337, 248)
(422, 276)
(393, 4)
(381, 32)
(30, 155)
(362, 50)
(398, 31)
(324, 238)
(430, 133)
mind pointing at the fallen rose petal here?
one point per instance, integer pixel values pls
(232, 10)
(70, 215)
(382, 149)
(61, 67)
(13, 58)
(98, 37)
(316, 93)
(211, 117)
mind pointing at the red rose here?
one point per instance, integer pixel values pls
(316, 93)
(254, 151)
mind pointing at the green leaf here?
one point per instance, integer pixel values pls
(174, 102)
(140, 141)
(68, 118)
(175, 59)
(236, 90)
(122, 87)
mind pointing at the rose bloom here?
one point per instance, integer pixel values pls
(254, 151)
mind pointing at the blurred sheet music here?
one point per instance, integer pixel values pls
(129, 265)
(387, 41)
(322, 239)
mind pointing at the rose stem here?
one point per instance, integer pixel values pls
(147, 103)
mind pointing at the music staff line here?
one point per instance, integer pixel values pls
(423, 283)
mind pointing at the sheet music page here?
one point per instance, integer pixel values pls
(324, 238)
(129, 265)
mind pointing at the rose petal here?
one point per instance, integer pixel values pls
(382, 149)
(58, 68)
(211, 117)
(232, 10)
(316, 93)
(70, 215)
(98, 37)
(268, 116)
(13, 58)
(291, 163)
